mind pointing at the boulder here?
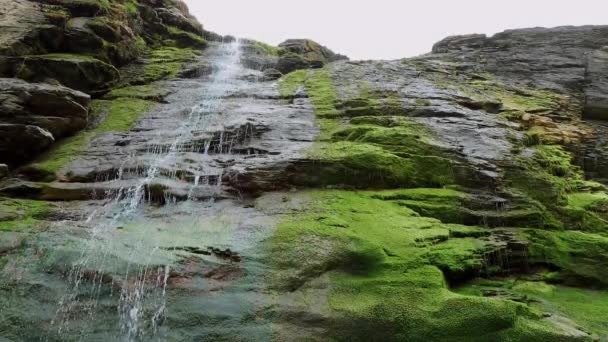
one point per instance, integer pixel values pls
(80, 39)
(460, 43)
(305, 53)
(33, 115)
(23, 98)
(186, 39)
(290, 62)
(87, 74)
(272, 74)
(25, 30)
(105, 28)
(22, 142)
(212, 36)
(174, 17)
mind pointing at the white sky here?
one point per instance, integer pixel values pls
(387, 29)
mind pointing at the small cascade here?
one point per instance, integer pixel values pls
(141, 287)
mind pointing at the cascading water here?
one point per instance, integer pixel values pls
(142, 284)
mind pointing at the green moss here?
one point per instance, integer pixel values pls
(185, 39)
(131, 7)
(122, 109)
(68, 56)
(120, 114)
(362, 164)
(384, 263)
(60, 155)
(22, 214)
(586, 308)
(582, 258)
(268, 49)
(587, 200)
(143, 92)
(290, 83)
(547, 176)
(319, 87)
(166, 62)
(322, 94)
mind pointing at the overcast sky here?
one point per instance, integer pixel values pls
(387, 29)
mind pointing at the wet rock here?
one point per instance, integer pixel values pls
(213, 37)
(185, 39)
(272, 74)
(22, 141)
(291, 61)
(35, 114)
(3, 171)
(304, 53)
(25, 30)
(225, 254)
(596, 98)
(78, 72)
(80, 39)
(553, 58)
(10, 241)
(195, 70)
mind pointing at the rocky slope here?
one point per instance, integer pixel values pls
(238, 191)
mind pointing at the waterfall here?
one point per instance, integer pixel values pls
(141, 288)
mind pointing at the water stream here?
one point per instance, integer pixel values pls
(141, 284)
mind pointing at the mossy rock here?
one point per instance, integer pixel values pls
(387, 267)
(79, 72)
(185, 39)
(581, 258)
(82, 8)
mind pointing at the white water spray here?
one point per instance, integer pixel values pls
(143, 285)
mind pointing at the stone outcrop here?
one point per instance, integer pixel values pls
(80, 44)
(33, 115)
(304, 53)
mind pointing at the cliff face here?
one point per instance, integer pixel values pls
(273, 193)
(87, 46)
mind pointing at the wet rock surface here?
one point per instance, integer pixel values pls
(81, 44)
(357, 201)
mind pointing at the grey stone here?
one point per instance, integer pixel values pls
(3, 171)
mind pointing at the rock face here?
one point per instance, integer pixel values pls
(596, 100)
(456, 196)
(304, 53)
(39, 114)
(79, 44)
(554, 58)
